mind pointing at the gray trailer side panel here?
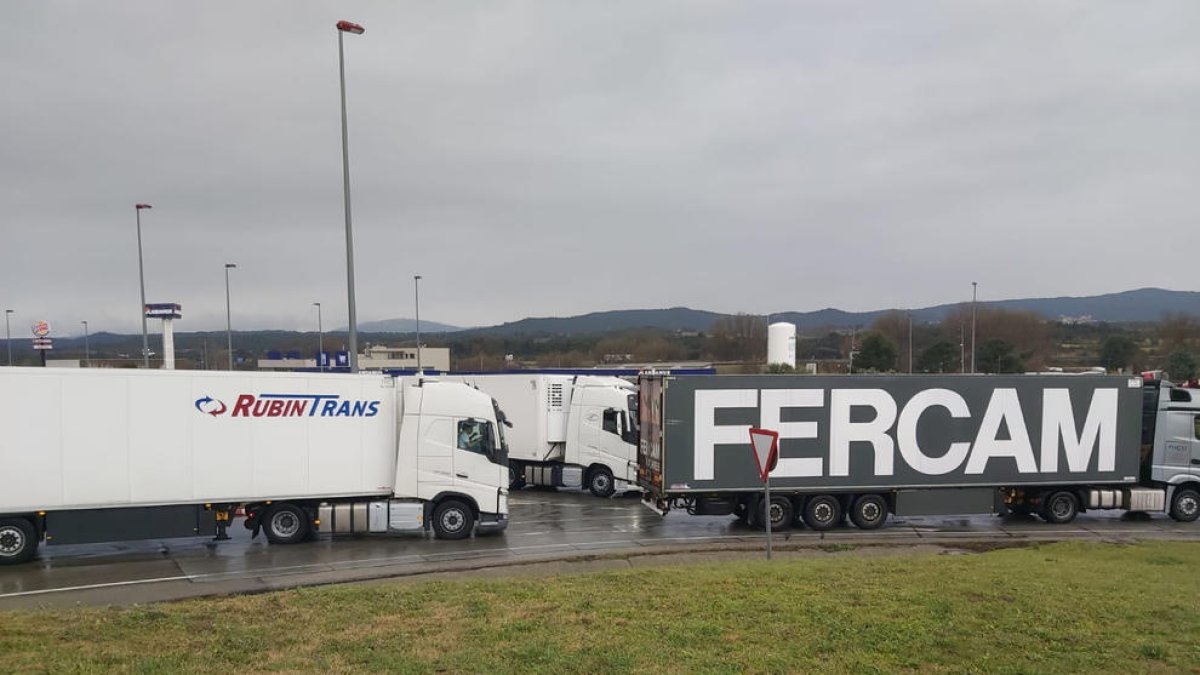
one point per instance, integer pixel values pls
(732, 466)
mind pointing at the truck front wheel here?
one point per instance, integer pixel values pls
(869, 512)
(600, 482)
(1060, 508)
(453, 519)
(1185, 505)
(18, 541)
(286, 524)
(822, 512)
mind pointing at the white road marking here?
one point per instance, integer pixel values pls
(88, 587)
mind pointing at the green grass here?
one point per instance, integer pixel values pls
(1056, 608)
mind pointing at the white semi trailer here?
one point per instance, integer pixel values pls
(567, 430)
(105, 455)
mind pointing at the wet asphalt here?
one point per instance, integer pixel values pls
(546, 526)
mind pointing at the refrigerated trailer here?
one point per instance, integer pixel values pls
(870, 446)
(567, 430)
(97, 455)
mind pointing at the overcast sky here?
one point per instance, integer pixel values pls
(555, 158)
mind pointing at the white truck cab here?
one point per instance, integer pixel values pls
(574, 431)
(451, 435)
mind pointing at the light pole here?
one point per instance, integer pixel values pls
(910, 363)
(974, 297)
(137, 208)
(417, 298)
(962, 350)
(347, 27)
(87, 350)
(8, 335)
(228, 316)
(320, 339)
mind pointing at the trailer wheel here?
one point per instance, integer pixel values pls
(286, 524)
(869, 512)
(781, 514)
(1060, 508)
(1185, 505)
(822, 512)
(600, 482)
(18, 541)
(453, 519)
(516, 476)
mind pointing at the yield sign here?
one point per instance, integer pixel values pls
(765, 444)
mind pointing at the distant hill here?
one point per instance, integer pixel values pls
(1144, 304)
(675, 318)
(402, 326)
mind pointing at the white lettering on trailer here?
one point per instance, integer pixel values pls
(1003, 410)
(906, 432)
(843, 432)
(773, 402)
(708, 434)
(1058, 420)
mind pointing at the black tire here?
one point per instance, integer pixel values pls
(18, 541)
(822, 512)
(869, 512)
(600, 482)
(781, 514)
(1060, 508)
(1185, 505)
(286, 524)
(739, 510)
(453, 519)
(516, 476)
(1021, 510)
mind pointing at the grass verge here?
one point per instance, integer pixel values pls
(1056, 608)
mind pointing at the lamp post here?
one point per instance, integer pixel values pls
(8, 335)
(87, 350)
(974, 298)
(320, 339)
(348, 27)
(137, 209)
(417, 299)
(910, 363)
(228, 316)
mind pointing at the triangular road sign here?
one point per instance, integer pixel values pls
(765, 444)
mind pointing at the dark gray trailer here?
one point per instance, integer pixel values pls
(867, 446)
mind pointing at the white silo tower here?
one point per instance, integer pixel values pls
(781, 343)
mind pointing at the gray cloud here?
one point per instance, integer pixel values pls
(558, 158)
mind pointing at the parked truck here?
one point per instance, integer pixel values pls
(567, 430)
(104, 455)
(870, 446)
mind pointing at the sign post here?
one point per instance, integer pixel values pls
(765, 444)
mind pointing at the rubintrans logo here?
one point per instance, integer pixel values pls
(289, 405)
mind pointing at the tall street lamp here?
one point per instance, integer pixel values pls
(974, 298)
(348, 27)
(87, 349)
(8, 335)
(228, 316)
(417, 298)
(910, 363)
(142, 283)
(320, 339)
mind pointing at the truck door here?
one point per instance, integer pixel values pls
(1194, 463)
(1179, 442)
(475, 473)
